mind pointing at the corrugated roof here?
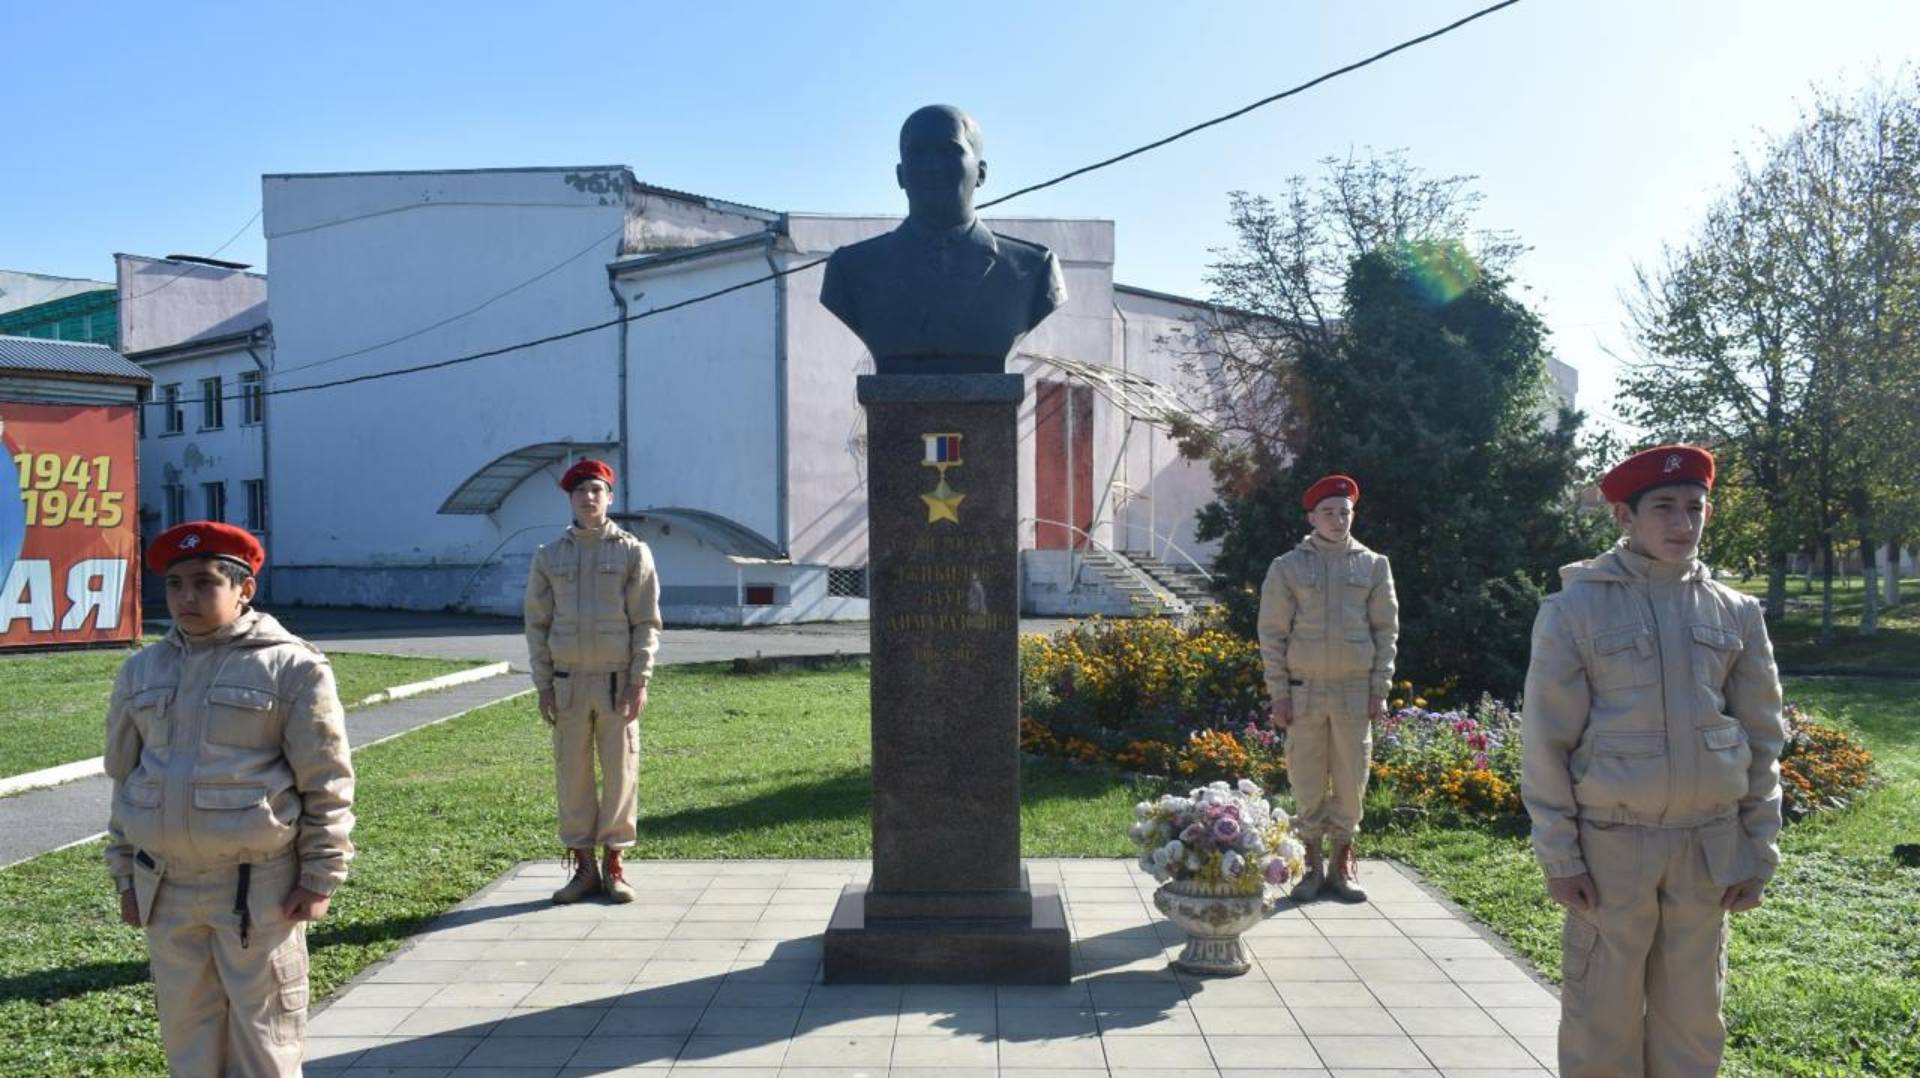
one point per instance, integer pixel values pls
(69, 358)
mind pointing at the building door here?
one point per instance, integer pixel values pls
(1063, 464)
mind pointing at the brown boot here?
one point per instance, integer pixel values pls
(585, 881)
(1312, 880)
(613, 878)
(1344, 875)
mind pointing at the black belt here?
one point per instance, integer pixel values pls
(240, 903)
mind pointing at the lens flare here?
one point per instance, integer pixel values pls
(1441, 270)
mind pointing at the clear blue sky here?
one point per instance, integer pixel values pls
(1598, 130)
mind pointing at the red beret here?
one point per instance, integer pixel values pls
(586, 469)
(205, 539)
(1333, 486)
(1658, 467)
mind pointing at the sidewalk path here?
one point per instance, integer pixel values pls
(37, 821)
(714, 973)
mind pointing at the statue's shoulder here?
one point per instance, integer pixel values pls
(864, 252)
(1021, 251)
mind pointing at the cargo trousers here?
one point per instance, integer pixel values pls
(588, 723)
(1329, 746)
(1645, 972)
(231, 990)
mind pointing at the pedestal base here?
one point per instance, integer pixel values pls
(1032, 950)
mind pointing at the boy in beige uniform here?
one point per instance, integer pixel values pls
(593, 624)
(1652, 736)
(1329, 629)
(232, 803)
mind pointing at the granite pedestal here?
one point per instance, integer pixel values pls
(948, 902)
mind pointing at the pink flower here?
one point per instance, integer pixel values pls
(1480, 761)
(1193, 834)
(1276, 872)
(1225, 830)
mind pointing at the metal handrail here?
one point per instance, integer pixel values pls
(1168, 544)
(1152, 586)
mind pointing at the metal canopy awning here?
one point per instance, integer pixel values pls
(731, 538)
(1141, 398)
(485, 490)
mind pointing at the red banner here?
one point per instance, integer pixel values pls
(69, 542)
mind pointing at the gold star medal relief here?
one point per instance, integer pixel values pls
(943, 452)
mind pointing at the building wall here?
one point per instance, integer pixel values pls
(361, 259)
(164, 303)
(19, 290)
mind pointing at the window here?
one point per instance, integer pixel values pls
(847, 583)
(176, 419)
(141, 394)
(253, 402)
(257, 506)
(176, 504)
(215, 495)
(212, 416)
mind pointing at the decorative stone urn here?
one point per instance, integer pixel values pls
(1213, 916)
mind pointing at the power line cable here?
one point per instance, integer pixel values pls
(189, 268)
(777, 274)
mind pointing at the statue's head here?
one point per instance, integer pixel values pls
(941, 162)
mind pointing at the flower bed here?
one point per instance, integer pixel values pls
(1148, 697)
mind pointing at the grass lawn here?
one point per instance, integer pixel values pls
(1825, 977)
(715, 782)
(53, 705)
(1796, 637)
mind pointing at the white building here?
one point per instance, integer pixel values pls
(200, 328)
(732, 421)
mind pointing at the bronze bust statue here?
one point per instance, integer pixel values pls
(941, 294)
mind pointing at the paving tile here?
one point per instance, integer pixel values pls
(1247, 1022)
(482, 994)
(804, 971)
(1146, 1022)
(1464, 970)
(604, 1052)
(1436, 928)
(1313, 969)
(1446, 1022)
(421, 971)
(957, 997)
(1053, 1052)
(1494, 1051)
(418, 1052)
(982, 1023)
(1042, 1022)
(1345, 1021)
(1376, 926)
(1339, 1052)
(1314, 946)
(646, 1021)
(1136, 993)
(336, 1052)
(1393, 947)
(1451, 947)
(1214, 994)
(1387, 970)
(550, 1052)
(339, 1021)
(1420, 994)
(950, 1051)
(550, 1022)
(761, 995)
(762, 1022)
(1325, 994)
(1281, 1072)
(686, 994)
(1171, 1052)
(1257, 1053)
(1528, 1021)
(1025, 996)
(592, 972)
(1510, 994)
(461, 1021)
(573, 995)
(840, 1050)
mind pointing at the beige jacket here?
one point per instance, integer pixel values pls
(229, 748)
(1652, 700)
(1328, 613)
(592, 606)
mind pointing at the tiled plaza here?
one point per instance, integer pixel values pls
(716, 970)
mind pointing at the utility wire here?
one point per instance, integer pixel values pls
(190, 267)
(777, 274)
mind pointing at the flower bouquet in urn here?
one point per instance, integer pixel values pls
(1215, 851)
